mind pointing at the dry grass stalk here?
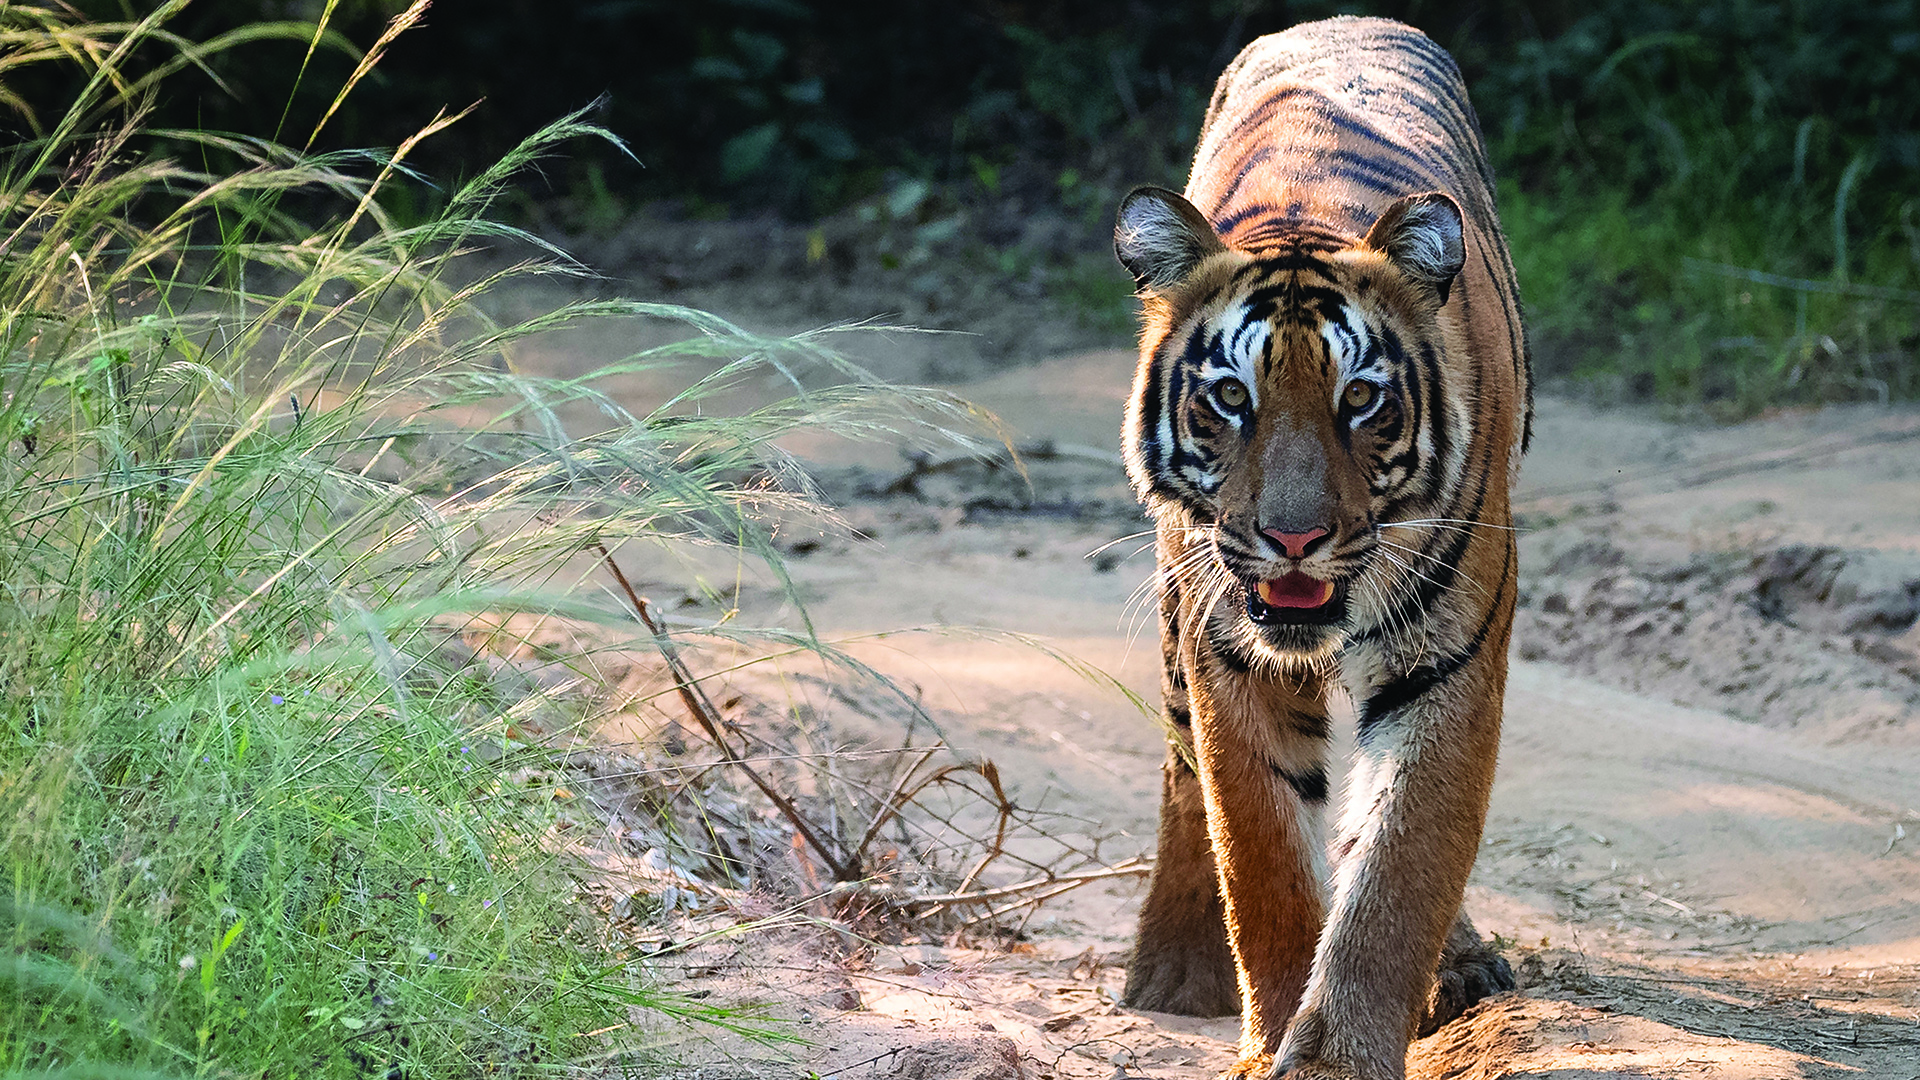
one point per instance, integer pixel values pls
(898, 800)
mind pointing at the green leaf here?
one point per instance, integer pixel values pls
(746, 154)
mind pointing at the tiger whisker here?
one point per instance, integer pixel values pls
(1389, 590)
(1456, 522)
(1218, 591)
(1193, 554)
(1462, 574)
(1381, 588)
(1120, 540)
(1408, 567)
(1181, 573)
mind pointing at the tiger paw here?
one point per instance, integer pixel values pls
(1187, 982)
(1463, 979)
(1257, 1067)
(1314, 1070)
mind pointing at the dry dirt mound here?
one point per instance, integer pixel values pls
(1513, 1037)
(1805, 636)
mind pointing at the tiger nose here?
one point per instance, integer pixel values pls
(1297, 545)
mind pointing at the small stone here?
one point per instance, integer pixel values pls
(842, 998)
(982, 1057)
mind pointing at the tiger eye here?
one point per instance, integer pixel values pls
(1359, 394)
(1231, 392)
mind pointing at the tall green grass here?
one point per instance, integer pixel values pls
(1717, 204)
(258, 443)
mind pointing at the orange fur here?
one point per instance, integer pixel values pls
(1331, 347)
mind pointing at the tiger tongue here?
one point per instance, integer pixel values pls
(1295, 590)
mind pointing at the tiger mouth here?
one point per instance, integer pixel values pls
(1295, 598)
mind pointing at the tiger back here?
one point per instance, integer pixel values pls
(1332, 399)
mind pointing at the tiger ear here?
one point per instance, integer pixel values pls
(1422, 235)
(1160, 237)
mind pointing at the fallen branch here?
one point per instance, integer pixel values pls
(1134, 867)
(905, 791)
(925, 465)
(837, 844)
(708, 717)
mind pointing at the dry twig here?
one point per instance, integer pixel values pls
(1134, 867)
(708, 718)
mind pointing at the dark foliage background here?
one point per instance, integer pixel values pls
(1711, 201)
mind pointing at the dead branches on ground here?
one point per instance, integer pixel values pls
(909, 838)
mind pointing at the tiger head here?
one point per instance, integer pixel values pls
(1292, 405)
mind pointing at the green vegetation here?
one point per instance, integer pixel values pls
(1718, 202)
(261, 453)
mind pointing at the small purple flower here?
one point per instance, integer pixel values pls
(204, 759)
(433, 956)
(484, 904)
(278, 700)
(466, 749)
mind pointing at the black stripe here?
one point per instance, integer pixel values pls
(1247, 165)
(1439, 422)
(1153, 393)
(1224, 225)
(1433, 581)
(1388, 431)
(1266, 109)
(1405, 459)
(1228, 651)
(1280, 222)
(1311, 785)
(1516, 334)
(1353, 125)
(1383, 173)
(1460, 127)
(1408, 688)
(1165, 466)
(1284, 233)
(1299, 300)
(1236, 344)
(1180, 715)
(1526, 429)
(1410, 381)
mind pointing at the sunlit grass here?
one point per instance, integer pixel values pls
(257, 441)
(1643, 302)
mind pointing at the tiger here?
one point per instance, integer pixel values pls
(1333, 396)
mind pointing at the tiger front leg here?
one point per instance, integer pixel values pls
(1260, 745)
(1416, 804)
(1181, 960)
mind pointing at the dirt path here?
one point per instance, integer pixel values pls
(1704, 845)
(1686, 893)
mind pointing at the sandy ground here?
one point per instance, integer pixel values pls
(1704, 845)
